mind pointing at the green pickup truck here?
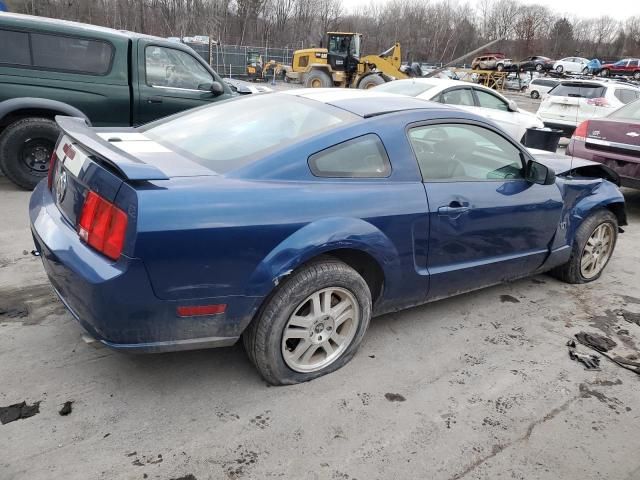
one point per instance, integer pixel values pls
(108, 77)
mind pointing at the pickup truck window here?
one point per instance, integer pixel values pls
(171, 68)
(15, 48)
(71, 54)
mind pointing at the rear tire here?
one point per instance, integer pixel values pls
(268, 338)
(535, 94)
(25, 150)
(636, 75)
(577, 270)
(317, 79)
(371, 81)
(539, 67)
(605, 73)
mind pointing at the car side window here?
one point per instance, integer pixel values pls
(362, 157)
(171, 68)
(626, 95)
(462, 152)
(15, 48)
(458, 96)
(73, 54)
(488, 100)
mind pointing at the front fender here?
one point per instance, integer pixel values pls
(321, 237)
(25, 103)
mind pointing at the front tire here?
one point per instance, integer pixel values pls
(535, 94)
(312, 325)
(604, 73)
(371, 81)
(25, 150)
(539, 67)
(636, 75)
(594, 243)
(559, 69)
(317, 79)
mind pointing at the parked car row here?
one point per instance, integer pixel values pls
(572, 65)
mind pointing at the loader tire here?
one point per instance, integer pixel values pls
(317, 79)
(371, 81)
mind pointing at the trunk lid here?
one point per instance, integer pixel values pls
(609, 135)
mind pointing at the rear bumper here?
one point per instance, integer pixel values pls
(114, 302)
(626, 166)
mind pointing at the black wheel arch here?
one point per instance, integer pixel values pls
(16, 109)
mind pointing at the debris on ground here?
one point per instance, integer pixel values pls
(630, 317)
(394, 397)
(18, 411)
(590, 361)
(66, 408)
(595, 341)
(604, 345)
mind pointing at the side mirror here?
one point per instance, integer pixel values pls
(513, 106)
(217, 88)
(214, 88)
(539, 173)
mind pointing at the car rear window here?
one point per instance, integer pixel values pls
(578, 90)
(233, 133)
(405, 87)
(628, 112)
(15, 48)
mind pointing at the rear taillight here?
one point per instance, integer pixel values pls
(102, 225)
(598, 102)
(580, 132)
(52, 167)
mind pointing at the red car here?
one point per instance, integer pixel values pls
(626, 66)
(613, 141)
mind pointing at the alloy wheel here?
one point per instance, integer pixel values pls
(320, 329)
(597, 251)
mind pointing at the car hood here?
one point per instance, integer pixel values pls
(562, 165)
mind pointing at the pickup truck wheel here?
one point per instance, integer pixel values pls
(312, 325)
(25, 150)
(592, 248)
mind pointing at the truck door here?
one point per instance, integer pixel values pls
(171, 80)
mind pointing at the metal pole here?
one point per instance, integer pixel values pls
(453, 62)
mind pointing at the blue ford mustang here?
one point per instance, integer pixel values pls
(291, 218)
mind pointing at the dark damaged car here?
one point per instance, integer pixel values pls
(613, 141)
(291, 231)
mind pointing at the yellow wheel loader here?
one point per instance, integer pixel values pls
(340, 64)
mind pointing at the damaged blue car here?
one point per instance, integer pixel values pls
(290, 219)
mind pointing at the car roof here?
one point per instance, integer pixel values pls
(601, 83)
(359, 102)
(20, 20)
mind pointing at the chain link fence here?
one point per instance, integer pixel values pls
(231, 60)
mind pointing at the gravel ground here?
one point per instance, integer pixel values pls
(479, 386)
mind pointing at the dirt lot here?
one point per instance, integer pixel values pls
(475, 387)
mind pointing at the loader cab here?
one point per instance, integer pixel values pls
(343, 50)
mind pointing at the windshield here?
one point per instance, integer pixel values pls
(628, 112)
(232, 133)
(578, 90)
(405, 87)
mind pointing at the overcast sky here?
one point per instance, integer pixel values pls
(619, 9)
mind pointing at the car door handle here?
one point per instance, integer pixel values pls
(454, 209)
(154, 100)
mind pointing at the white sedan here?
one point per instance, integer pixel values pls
(468, 96)
(571, 65)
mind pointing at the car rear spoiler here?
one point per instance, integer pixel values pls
(130, 167)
